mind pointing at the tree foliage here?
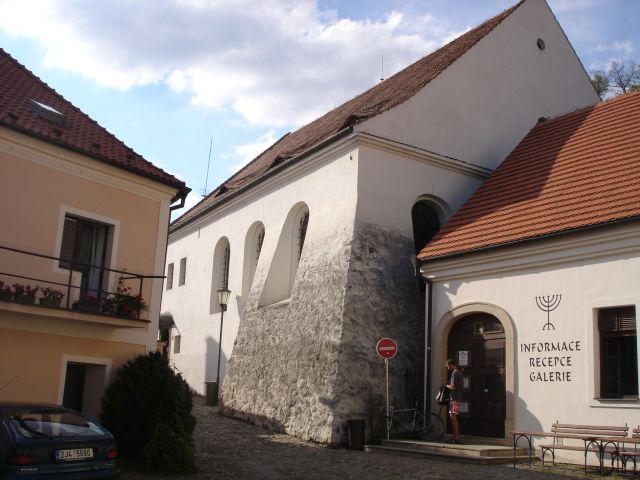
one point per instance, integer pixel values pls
(145, 393)
(600, 82)
(620, 77)
(169, 451)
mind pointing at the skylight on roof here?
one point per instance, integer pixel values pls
(46, 112)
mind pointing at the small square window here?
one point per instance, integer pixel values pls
(170, 276)
(183, 271)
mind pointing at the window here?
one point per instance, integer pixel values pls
(219, 272)
(252, 248)
(183, 271)
(225, 267)
(426, 223)
(176, 343)
(618, 352)
(303, 222)
(84, 249)
(287, 257)
(170, 276)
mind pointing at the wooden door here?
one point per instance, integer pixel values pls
(477, 343)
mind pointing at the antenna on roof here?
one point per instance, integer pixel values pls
(382, 70)
(206, 180)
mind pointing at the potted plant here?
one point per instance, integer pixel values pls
(125, 303)
(5, 292)
(51, 297)
(25, 294)
(87, 303)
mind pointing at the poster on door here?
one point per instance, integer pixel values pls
(463, 358)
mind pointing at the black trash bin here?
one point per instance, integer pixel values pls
(211, 393)
(356, 434)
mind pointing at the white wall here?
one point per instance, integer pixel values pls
(483, 104)
(391, 180)
(590, 271)
(325, 182)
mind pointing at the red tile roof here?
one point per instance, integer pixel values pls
(18, 86)
(572, 172)
(384, 96)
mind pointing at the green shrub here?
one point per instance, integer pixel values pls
(145, 393)
(169, 451)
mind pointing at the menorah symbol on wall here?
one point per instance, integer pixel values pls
(548, 304)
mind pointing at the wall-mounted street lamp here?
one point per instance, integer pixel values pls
(223, 299)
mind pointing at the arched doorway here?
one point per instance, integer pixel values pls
(477, 343)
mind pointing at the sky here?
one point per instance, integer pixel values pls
(172, 78)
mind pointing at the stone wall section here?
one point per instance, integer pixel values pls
(382, 300)
(308, 365)
(284, 364)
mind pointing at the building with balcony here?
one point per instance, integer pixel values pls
(83, 232)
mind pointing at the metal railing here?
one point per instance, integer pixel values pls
(92, 300)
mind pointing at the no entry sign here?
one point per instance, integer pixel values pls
(387, 348)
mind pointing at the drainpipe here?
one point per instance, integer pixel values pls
(427, 340)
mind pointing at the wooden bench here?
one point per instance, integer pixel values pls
(627, 453)
(599, 439)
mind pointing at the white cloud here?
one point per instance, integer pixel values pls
(626, 48)
(277, 63)
(561, 6)
(249, 151)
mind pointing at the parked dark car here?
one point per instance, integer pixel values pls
(39, 441)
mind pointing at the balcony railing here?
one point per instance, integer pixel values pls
(125, 301)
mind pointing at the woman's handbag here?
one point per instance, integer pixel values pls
(443, 396)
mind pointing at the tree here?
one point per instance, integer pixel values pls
(147, 392)
(600, 82)
(625, 76)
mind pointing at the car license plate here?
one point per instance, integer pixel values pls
(74, 454)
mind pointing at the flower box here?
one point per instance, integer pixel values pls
(50, 302)
(25, 299)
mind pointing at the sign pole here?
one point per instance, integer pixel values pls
(387, 348)
(386, 367)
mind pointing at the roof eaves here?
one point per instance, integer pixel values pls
(178, 184)
(270, 173)
(528, 240)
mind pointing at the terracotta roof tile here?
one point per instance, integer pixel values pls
(575, 171)
(77, 131)
(378, 99)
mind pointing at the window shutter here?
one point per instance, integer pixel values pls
(621, 319)
(628, 319)
(68, 241)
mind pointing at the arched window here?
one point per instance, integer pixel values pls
(220, 272)
(285, 262)
(303, 222)
(426, 223)
(252, 249)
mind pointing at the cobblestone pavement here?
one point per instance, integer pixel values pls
(230, 449)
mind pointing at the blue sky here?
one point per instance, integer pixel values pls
(166, 76)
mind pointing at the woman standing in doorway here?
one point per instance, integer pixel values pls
(455, 385)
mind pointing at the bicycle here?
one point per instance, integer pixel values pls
(408, 421)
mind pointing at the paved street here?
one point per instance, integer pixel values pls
(230, 449)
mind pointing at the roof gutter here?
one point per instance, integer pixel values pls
(270, 173)
(182, 196)
(517, 243)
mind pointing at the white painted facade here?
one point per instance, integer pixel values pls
(438, 145)
(326, 184)
(478, 109)
(590, 271)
